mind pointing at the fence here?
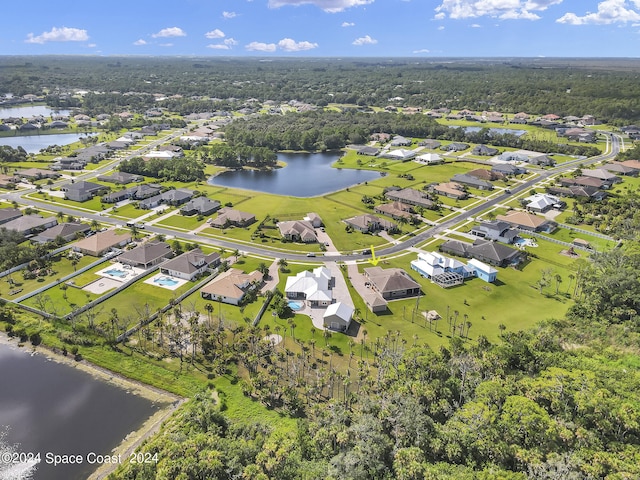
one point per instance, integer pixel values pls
(24, 265)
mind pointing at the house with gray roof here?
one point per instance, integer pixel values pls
(121, 178)
(147, 255)
(493, 253)
(200, 206)
(495, 230)
(484, 150)
(28, 224)
(231, 217)
(410, 196)
(472, 181)
(508, 169)
(366, 150)
(190, 264)
(66, 231)
(455, 147)
(81, 191)
(8, 214)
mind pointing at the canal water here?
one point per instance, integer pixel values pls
(52, 408)
(305, 175)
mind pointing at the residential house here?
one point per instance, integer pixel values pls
(121, 178)
(400, 141)
(8, 214)
(493, 253)
(395, 210)
(455, 147)
(7, 181)
(484, 174)
(101, 243)
(137, 192)
(635, 164)
(366, 150)
(81, 191)
(230, 217)
(495, 230)
(147, 255)
(429, 159)
(368, 223)
(508, 169)
(170, 197)
(231, 286)
(619, 169)
(450, 190)
(577, 191)
(429, 144)
(380, 137)
(312, 286)
(527, 221)
(541, 160)
(65, 231)
(36, 174)
(513, 157)
(297, 231)
(399, 154)
(484, 150)
(542, 202)
(585, 182)
(338, 316)
(190, 264)
(441, 270)
(200, 206)
(375, 303)
(28, 224)
(601, 174)
(471, 181)
(392, 283)
(68, 163)
(410, 196)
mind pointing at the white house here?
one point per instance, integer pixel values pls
(312, 286)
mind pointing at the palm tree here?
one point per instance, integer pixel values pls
(94, 224)
(558, 280)
(283, 264)
(209, 308)
(60, 215)
(468, 327)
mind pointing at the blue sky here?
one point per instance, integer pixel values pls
(333, 28)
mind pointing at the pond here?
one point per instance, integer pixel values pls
(35, 143)
(53, 407)
(31, 111)
(305, 175)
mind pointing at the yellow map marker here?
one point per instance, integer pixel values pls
(374, 261)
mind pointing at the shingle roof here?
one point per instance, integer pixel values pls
(147, 253)
(390, 279)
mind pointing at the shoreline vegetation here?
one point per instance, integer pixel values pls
(168, 401)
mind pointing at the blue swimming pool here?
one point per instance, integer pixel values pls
(166, 281)
(295, 305)
(115, 272)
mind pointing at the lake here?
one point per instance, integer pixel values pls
(53, 407)
(306, 175)
(35, 143)
(31, 111)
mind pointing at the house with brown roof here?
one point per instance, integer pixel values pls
(635, 164)
(619, 169)
(410, 196)
(228, 217)
(147, 255)
(231, 286)
(602, 174)
(297, 231)
(450, 190)
(36, 174)
(484, 174)
(8, 214)
(395, 210)
(7, 181)
(101, 243)
(392, 283)
(190, 264)
(584, 182)
(368, 223)
(527, 221)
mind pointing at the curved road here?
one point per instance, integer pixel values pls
(613, 150)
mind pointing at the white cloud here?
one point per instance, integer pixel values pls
(261, 47)
(609, 11)
(441, 27)
(475, 25)
(348, 24)
(170, 32)
(289, 45)
(225, 45)
(229, 15)
(366, 40)
(504, 9)
(140, 42)
(92, 45)
(62, 34)
(422, 50)
(217, 33)
(330, 6)
(166, 44)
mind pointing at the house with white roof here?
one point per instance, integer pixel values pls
(401, 154)
(312, 286)
(429, 159)
(541, 202)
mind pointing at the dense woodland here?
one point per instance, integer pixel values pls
(557, 402)
(605, 89)
(182, 169)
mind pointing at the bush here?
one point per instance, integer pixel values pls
(35, 339)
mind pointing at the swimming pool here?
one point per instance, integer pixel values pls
(166, 281)
(114, 272)
(295, 305)
(528, 242)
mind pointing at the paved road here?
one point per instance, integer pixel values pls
(613, 150)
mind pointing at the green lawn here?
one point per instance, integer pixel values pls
(182, 222)
(58, 301)
(92, 205)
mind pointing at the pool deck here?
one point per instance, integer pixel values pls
(152, 281)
